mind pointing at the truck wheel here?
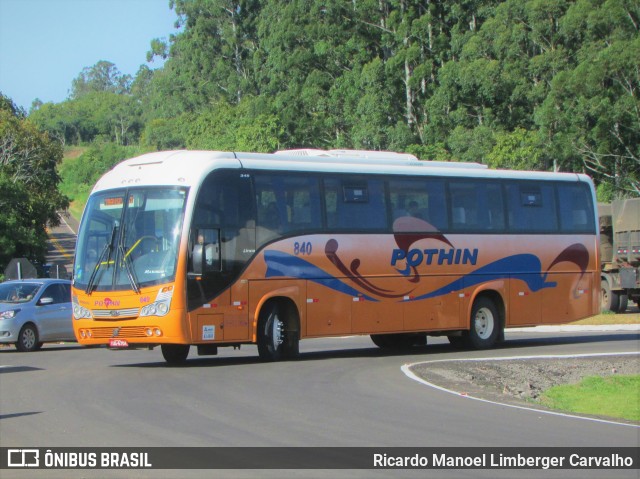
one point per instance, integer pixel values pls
(623, 303)
(609, 301)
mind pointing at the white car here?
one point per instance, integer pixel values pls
(35, 311)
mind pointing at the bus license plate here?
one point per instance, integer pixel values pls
(118, 343)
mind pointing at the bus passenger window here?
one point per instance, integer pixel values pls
(532, 208)
(476, 206)
(355, 204)
(286, 205)
(418, 203)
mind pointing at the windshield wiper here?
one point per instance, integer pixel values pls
(126, 260)
(131, 274)
(108, 247)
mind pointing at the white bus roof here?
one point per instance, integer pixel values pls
(187, 168)
(369, 157)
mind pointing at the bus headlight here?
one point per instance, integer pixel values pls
(80, 312)
(159, 308)
(163, 308)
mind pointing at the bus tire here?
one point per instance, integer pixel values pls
(175, 353)
(485, 324)
(459, 342)
(399, 341)
(271, 334)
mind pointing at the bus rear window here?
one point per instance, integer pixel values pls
(576, 209)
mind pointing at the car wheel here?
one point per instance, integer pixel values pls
(28, 339)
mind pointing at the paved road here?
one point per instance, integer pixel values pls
(62, 242)
(342, 392)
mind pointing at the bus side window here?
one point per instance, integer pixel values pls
(476, 206)
(418, 198)
(286, 204)
(355, 203)
(575, 208)
(532, 208)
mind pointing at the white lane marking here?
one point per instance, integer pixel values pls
(67, 225)
(406, 369)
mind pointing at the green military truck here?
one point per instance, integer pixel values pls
(620, 254)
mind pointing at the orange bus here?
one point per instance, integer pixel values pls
(216, 249)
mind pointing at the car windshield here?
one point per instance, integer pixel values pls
(126, 244)
(18, 292)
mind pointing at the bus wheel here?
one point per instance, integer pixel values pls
(175, 353)
(485, 324)
(459, 342)
(271, 335)
(399, 341)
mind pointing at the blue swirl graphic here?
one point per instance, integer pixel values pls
(525, 267)
(283, 264)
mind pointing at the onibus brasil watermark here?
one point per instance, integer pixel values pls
(320, 458)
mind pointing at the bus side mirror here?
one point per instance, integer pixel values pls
(197, 259)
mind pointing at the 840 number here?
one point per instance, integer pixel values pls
(303, 248)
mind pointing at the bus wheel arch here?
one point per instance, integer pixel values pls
(278, 330)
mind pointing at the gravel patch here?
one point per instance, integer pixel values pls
(521, 381)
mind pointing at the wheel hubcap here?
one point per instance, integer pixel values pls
(484, 323)
(278, 332)
(28, 338)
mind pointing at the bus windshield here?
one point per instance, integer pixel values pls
(132, 243)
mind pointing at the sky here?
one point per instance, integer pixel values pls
(45, 44)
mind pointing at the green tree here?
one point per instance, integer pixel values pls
(104, 76)
(29, 196)
(243, 127)
(517, 150)
(591, 116)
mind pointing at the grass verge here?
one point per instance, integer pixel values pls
(612, 396)
(629, 317)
